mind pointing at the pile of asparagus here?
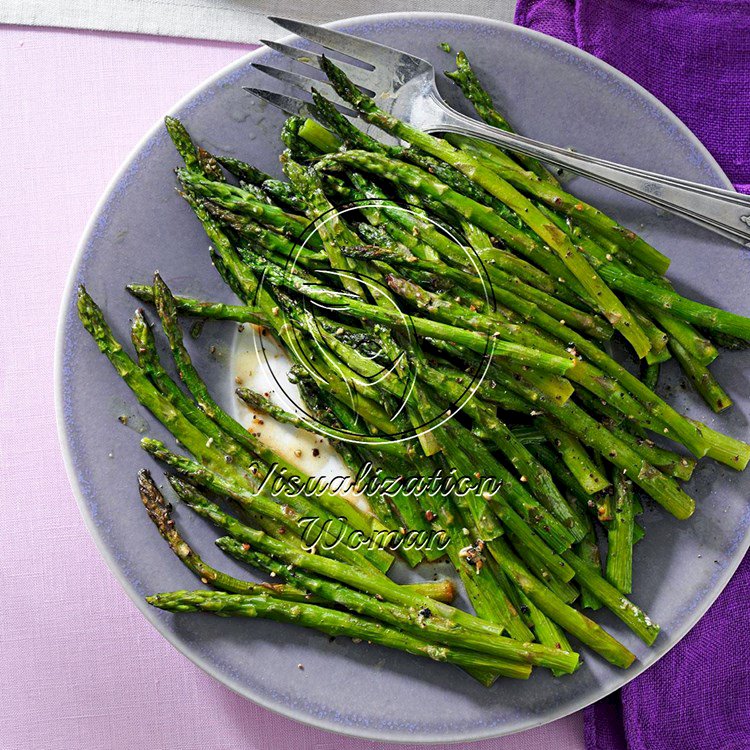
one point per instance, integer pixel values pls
(392, 276)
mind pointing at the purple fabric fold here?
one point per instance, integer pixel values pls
(695, 697)
(694, 55)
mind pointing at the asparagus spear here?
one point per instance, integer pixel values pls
(484, 591)
(334, 504)
(148, 358)
(620, 536)
(574, 456)
(423, 623)
(160, 512)
(558, 535)
(285, 194)
(674, 464)
(698, 346)
(555, 197)
(330, 227)
(512, 492)
(201, 308)
(389, 512)
(557, 277)
(240, 201)
(254, 234)
(424, 183)
(399, 461)
(604, 298)
(584, 373)
(701, 378)
(355, 138)
(588, 551)
(585, 322)
(300, 150)
(213, 462)
(564, 590)
(243, 171)
(698, 438)
(546, 631)
(336, 233)
(662, 488)
(643, 287)
(425, 327)
(651, 376)
(286, 522)
(623, 281)
(183, 143)
(532, 472)
(368, 581)
(404, 227)
(656, 295)
(328, 621)
(264, 405)
(466, 79)
(632, 615)
(318, 137)
(569, 619)
(147, 394)
(659, 350)
(506, 288)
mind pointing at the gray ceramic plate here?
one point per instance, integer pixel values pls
(551, 91)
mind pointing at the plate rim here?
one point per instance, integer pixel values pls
(285, 710)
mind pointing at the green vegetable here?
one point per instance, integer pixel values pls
(447, 309)
(328, 621)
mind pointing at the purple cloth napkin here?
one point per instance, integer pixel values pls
(694, 55)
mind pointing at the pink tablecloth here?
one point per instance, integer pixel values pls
(80, 669)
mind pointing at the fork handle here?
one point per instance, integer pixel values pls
(722, 211)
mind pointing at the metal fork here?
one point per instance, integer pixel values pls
(404, 85)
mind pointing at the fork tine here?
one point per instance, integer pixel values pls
(370, 53)
(358, 76)
(291, 105)
(302, 82)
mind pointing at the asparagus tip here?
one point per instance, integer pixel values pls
(156, 505)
